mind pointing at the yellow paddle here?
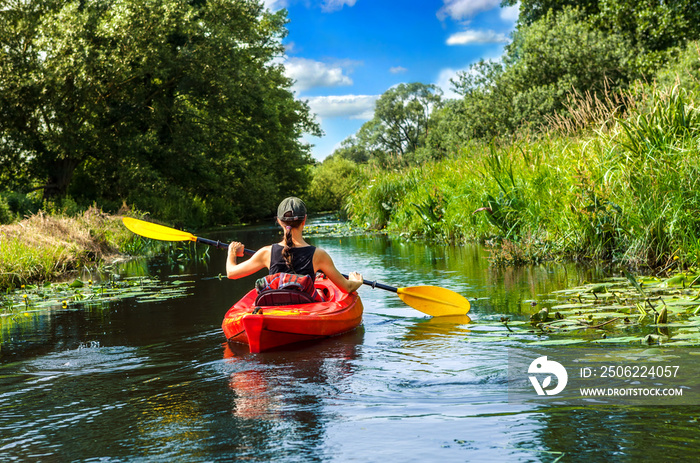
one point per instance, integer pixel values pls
(162, 233)
(431, 300)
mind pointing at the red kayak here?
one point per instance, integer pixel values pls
(275, 326)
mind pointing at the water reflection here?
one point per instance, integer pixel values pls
(621, 434)
(291, 388)
(429, 333)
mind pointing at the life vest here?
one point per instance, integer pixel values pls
(286, 289)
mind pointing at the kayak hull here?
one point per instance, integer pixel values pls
(275, 326)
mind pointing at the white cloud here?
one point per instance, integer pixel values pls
(471, 36)
(352, 106)
(397, 70)
(329, 6)
(308, 73)
(463, 9)
(443, 81)
(291, 47)
(510, 13)
(275, 5)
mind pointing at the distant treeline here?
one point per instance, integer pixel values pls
(178, 108)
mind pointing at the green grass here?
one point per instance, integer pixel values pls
(48, 247)
(624, 190)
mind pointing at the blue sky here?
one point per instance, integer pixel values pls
(343, 54)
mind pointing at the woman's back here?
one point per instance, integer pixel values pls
(302, 260)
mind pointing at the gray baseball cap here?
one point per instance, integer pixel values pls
(294, 205)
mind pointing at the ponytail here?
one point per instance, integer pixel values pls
(289, 242)
(288, 245)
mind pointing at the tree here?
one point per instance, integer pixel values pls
(557, 54)
(402, 116)
(534, 10)
(650, 26)
(400, 126)
(332, 181)
(353, 150)
(141, 101)
(486, 107)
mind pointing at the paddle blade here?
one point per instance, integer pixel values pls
(155, 231)
(434, 301)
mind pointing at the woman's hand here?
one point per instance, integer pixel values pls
(355, 281)
(236, 248)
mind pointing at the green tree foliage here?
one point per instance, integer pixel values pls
(651, 26)
(399, 129)
(559, 47)
(486, 108)
(160, 104)
(560, 52)
(684, 70)
(355, 149)
(332, 180)
(5, 212)
(402, 116)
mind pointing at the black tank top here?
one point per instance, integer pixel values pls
(302, 260)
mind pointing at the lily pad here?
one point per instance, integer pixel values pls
(557, 342)
(571, 306)
(618, 340)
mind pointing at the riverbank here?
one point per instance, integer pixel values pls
(47, 247)
(621, 188)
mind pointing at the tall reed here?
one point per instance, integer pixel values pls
(620, 185)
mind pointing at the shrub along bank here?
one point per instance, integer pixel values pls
(625, 189)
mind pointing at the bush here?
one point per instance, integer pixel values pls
(6, 215)
(684, 70)
(332, 181)
(22, 204)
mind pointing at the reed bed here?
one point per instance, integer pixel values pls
(618, 184)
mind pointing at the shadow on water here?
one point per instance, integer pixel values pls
(155, 381)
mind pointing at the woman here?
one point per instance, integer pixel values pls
(292, 254)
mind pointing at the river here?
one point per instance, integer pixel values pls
(134, 381)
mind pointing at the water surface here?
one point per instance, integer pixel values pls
(156, 381)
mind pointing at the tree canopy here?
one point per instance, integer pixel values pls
(160, 104)
(650, 26)
(561, 47)
(400, 126)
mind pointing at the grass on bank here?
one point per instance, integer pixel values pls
(624, 190)
(47, 247)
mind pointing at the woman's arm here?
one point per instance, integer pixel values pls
(324, 263)
(259, 261)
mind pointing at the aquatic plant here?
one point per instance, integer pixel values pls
(621, 310)
(626, 309)
(88, 293)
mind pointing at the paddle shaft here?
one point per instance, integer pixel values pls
(220, 245)
(375, 284)
(250, 252)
